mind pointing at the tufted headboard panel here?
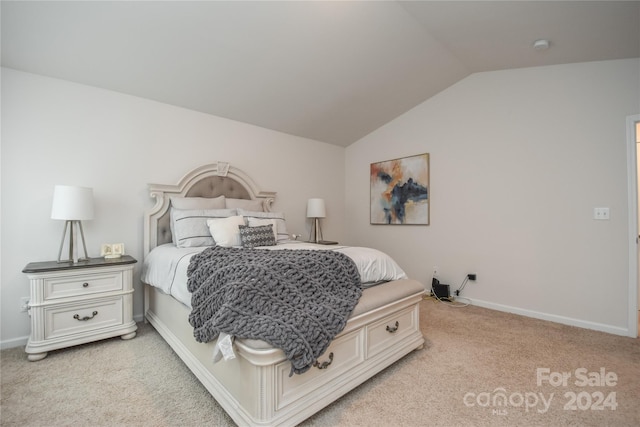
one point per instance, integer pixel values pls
(211, 180)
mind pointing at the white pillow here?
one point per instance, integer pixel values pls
(281, 225)
(189, 226)
(226, 231)
(257, 222)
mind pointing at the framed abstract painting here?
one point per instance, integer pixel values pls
(400, 192)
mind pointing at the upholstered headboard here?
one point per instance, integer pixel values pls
(212, 180)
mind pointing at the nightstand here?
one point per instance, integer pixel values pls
(73, 304)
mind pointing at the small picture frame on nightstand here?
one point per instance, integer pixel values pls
(112, 250)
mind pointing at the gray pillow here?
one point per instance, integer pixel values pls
(257, 236)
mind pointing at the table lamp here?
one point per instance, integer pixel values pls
(72, 204)
(316, 210)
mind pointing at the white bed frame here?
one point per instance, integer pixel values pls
(255, 387)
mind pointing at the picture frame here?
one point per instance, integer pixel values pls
(400, 192)
(106, 250)
(118, 249)
(112, 250)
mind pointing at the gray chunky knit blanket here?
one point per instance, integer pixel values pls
(296, 300)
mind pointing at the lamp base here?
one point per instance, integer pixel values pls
(73, 256)
(316, 233)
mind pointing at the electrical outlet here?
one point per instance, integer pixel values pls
(24, 304)
(601, 213)
(435, 271)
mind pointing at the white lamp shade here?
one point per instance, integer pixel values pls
(72, 203)
(316, 208)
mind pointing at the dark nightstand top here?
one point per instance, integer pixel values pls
(41, 267)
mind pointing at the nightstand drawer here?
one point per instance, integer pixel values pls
(81, 284)
(88, 315)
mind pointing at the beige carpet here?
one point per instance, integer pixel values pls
(472, 355)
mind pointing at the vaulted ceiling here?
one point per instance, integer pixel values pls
(332, 71)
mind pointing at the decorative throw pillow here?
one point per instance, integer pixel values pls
(281, 226)
(189, 226)
(257, 222)
(257, 236)
(248, 204)
(225, 231)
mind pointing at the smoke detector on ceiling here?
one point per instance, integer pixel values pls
(541, 44)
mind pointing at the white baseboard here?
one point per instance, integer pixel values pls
(553, 318)
(22, 341)
(15, 342)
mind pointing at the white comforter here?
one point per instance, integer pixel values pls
(166, 266)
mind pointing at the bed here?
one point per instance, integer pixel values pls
(257, 387)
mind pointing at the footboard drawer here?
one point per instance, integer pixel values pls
(382, 334)
(343, 354)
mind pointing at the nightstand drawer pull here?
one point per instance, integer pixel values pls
(85, 285)
(395, 328)
(324, 365)
(85, 318)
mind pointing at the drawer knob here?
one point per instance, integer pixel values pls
(324, 365)
(85, 318)
(394, 328)
(85, 285)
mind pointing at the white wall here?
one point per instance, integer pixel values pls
(56, 132)
(519, 159)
